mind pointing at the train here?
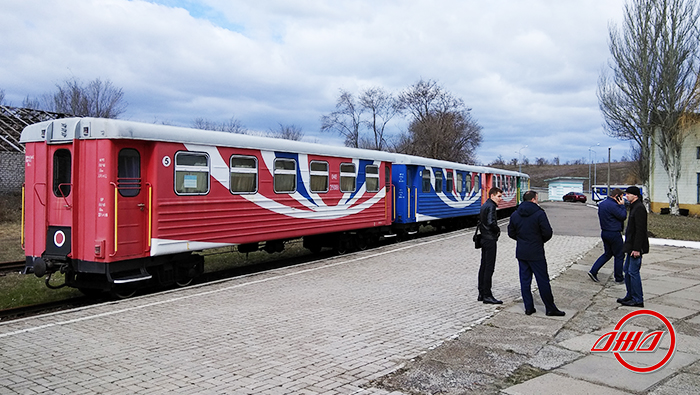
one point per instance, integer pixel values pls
(118, 205)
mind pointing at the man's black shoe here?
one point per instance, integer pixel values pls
(556, 313)
(530, 311)
(491, 300)
(631, 303)
(623, 300)
(593, 277)
(620, 281)
(480, 298)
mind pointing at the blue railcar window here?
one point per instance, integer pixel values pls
(450, 182)
(438, 181)
(469, 182)
(61, 173)
(372, 178)
(129, 172)
(460, 181)
(348, 179)
(426, 180)
(191, 173)
(285, 175)
(318, 173)
(244, 174)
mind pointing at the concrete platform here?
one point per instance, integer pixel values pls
(358, 324)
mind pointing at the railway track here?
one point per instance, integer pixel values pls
(16, 266)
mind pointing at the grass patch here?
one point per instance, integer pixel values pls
(674, 227)
(25, 290)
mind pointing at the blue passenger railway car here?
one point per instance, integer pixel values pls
(118, 205)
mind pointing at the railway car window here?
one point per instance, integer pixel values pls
(347, 177)
(318, 176)
(387, 177)
(469, 182)
(460, 179)
(191, 173)
(372, 178)
(450, 185)
(285, 175)
(61, 173)
(129, 172)
(244, 174)
(426, 180)
(438, 181)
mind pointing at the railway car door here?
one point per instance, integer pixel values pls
(487, 182)
(132, 202)
(59, 201)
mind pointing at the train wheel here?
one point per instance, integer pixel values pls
(362, 242)
(343, 245)
(122, 292)
(184, 282)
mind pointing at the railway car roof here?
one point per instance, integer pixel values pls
(65, 130)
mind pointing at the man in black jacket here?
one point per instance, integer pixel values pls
(530, 227)
(636, 244)
(488, 226)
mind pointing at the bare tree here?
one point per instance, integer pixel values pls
(499, 161)
(441, 126)
(381, 107)
(345, 120)
(233, 125)
(287, 132)
(654, 82)
(97, 98)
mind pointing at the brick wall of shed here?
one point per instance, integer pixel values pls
(11, 172)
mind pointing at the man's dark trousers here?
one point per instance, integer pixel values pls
(612, 241)
(539, 269)
(488, 264)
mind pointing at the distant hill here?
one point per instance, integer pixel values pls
(620, 173)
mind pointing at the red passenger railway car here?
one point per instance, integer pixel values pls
(114, 203)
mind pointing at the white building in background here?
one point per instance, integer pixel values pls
(689, 181)
(560, 186)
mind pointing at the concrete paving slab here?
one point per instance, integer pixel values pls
(555, 384)
(540, 325)
(610, 372)
(661, 286)
(551, 357)
(692, 293)
(667, 310)
(582, 343)
(505, 339)
(683, 384)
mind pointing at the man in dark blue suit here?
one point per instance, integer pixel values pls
(611, 215)
(530, 227)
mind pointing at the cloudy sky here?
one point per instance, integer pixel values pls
(528, 69)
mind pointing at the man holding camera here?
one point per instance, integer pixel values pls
(611, 215)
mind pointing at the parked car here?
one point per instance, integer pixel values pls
(575, 197)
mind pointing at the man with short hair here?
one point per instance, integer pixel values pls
(488, 226)
(530, 227)
(636, 244)
(611, 215)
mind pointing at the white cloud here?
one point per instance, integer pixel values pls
(528, 69)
